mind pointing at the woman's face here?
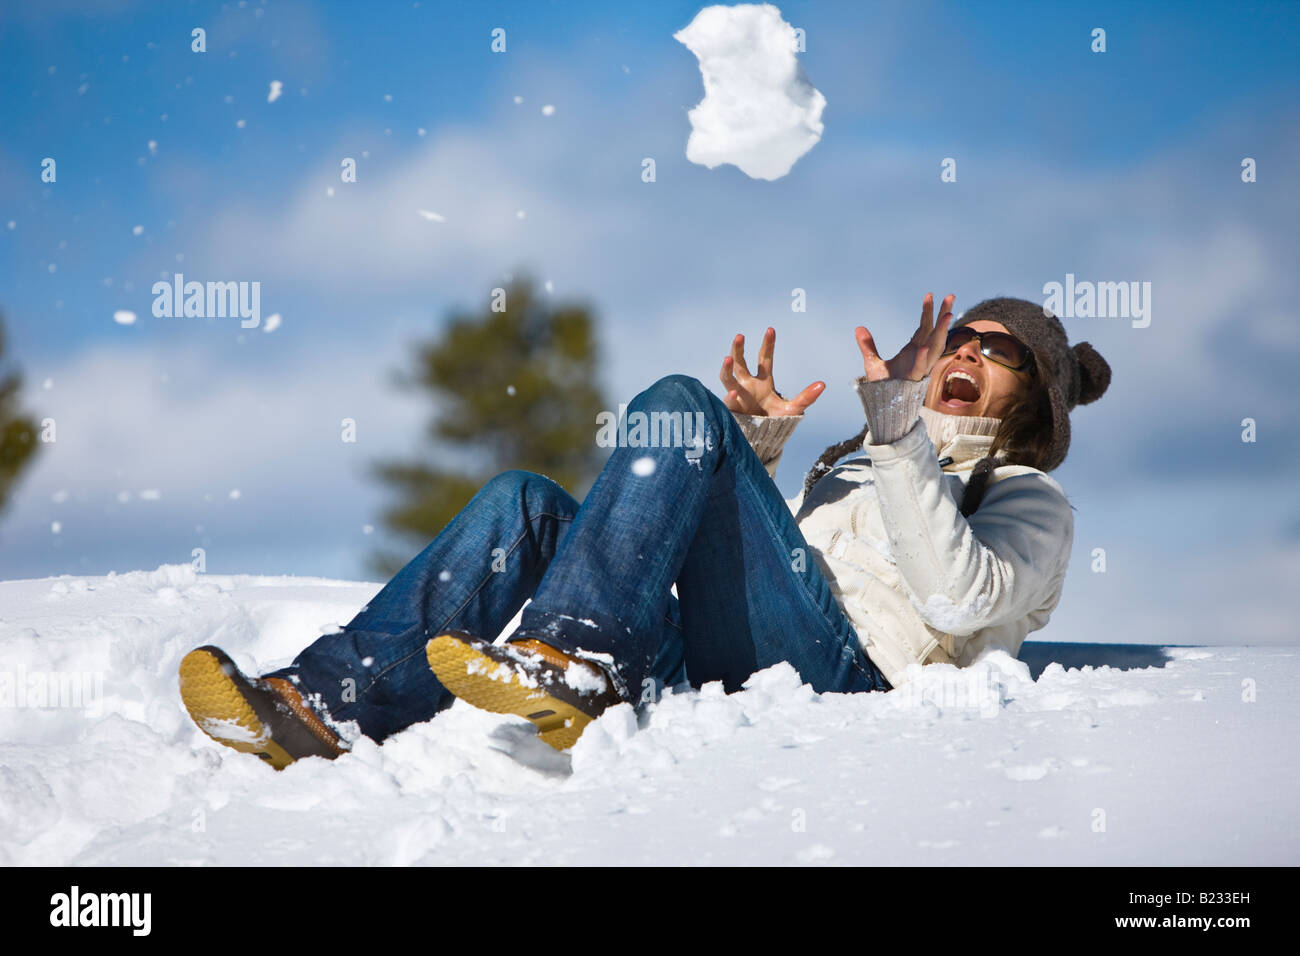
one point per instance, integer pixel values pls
(966, 383)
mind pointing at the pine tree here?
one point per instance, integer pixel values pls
(17, 432)
(512, 388)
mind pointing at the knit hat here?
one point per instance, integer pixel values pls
(1073, 376)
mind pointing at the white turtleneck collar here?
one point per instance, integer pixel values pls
(964, 438)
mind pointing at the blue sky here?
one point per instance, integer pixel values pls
(1121, 166)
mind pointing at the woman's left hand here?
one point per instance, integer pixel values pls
(919, 355)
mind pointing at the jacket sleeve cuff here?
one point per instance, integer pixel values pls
(892, 406)
(767, 435)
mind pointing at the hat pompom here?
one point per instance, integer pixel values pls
(1094, 373)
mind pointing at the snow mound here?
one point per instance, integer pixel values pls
(1094, 764)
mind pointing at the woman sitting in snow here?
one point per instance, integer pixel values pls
(947, 538)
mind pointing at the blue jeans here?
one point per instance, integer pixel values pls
(707, 518)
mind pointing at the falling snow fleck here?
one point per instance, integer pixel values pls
(234, 494)
(510, 390)
(136, 230)
(124, 317)
(272, 322)
(548, 110)
(274, 94)
(643, 467)
(444, 575)
(56, 526)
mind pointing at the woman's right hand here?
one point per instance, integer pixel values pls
(753, 393)
(919, 356)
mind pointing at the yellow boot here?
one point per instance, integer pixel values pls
(559, 693)
(263, 716)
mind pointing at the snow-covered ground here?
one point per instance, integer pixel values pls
(1155, 756)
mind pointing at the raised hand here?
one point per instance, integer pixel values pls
(753, 393)
(919, 355)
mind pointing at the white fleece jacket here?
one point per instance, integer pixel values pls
(919, 582)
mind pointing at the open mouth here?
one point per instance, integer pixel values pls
(959, 389)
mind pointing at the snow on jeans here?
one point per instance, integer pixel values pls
(749, 593)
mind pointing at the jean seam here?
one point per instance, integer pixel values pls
(488, 577)
(463, 604)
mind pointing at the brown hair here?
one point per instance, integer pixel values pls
(1025, 435)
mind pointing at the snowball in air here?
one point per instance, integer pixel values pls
(759, 112)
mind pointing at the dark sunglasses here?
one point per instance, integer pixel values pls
(1001, 347)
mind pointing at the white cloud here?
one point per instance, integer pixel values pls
(161, 424)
